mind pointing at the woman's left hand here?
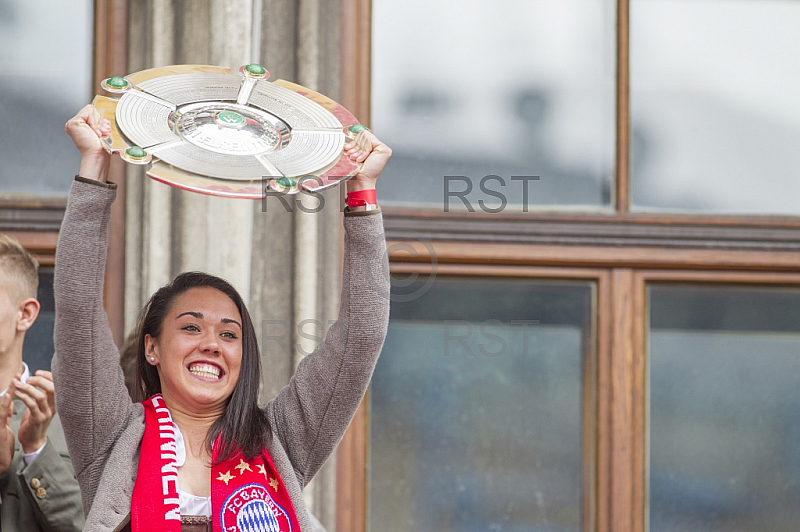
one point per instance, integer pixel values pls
(373, 154)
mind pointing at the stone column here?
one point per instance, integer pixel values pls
(300, 43)
(287, 265)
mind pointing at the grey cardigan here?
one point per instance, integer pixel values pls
(104, 429)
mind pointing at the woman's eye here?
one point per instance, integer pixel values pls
(229, 335)
(191, 327)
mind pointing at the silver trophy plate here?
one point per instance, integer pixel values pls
(203, 128)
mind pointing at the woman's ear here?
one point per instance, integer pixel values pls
(151, 350)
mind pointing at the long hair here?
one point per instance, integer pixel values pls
(243, 427)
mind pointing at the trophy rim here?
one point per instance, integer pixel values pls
(251, 129)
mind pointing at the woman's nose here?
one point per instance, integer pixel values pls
(210, 343)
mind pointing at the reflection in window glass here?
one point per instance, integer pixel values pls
(38, 349)
(724, 422)
(714, 115)
(474, 89)
(476, 407)
(45, 77)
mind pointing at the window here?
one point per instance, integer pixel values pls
(478, 407)
(42, 85)
(724, 375)
(476, 97)
(714, 118)
(38, 348)
(647, 200)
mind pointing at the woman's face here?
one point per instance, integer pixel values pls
(199, 351)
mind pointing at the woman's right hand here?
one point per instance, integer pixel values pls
(86, 129)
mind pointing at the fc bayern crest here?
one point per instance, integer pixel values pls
(252, 509)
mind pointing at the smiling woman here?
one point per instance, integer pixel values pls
(198, 348)
(199, 453)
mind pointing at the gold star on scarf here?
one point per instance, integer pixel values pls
(242, 466)
(225, 477)
(274, 483)
(262, 470)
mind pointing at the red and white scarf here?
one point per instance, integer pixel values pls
(246, 496)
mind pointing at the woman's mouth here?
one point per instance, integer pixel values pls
(205, 370)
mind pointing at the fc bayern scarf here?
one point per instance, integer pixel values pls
(246, 496)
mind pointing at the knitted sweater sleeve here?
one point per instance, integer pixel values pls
(90, 389)
(310, 415)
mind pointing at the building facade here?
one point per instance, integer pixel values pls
(593, 233)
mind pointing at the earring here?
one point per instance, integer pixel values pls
(152, 359)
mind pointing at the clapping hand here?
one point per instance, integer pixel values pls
(39, 395)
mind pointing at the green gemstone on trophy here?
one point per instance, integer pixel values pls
(135, 152)
(287, 182)
(229, 117)
(255, 69)
(117, 82)
(355, 129)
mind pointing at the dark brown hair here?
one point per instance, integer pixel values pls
(243, 428)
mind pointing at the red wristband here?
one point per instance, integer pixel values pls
(362, 197)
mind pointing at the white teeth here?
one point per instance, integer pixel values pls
(205, 370)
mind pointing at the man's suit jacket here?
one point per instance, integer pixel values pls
(43, 496)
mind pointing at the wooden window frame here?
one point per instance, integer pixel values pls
(622, 251)
(615, 490)
(35, 222)
(351, 455)
(594, 372)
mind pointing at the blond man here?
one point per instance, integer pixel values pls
(38, 490)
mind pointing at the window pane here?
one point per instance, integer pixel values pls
(513, 88)
(714, 113)
(476, 408)
(45, 77)
(724, 396)
(37, 351)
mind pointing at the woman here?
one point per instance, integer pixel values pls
(199, 449)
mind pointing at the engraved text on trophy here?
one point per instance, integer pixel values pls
(230, 129)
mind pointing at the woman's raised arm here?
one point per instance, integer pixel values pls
(90, 392)
(310, 415)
